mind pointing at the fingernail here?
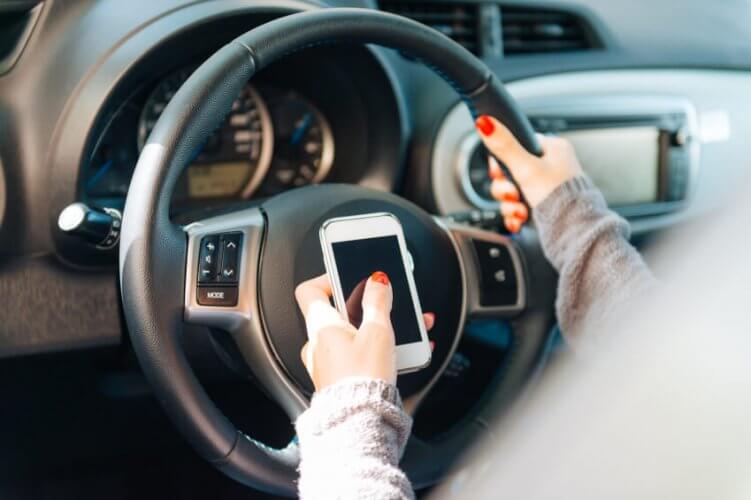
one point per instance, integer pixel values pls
(485, 125)
(520, 214)
(431, 316)
(380, 277)
(512, 226)
(432, 345)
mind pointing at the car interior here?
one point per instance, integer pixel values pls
(138, 138)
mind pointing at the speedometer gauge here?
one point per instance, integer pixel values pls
(234, 159)
(303, 143)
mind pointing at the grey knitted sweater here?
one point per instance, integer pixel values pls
(353, 434)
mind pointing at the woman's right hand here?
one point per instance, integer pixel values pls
(336, 349)
(536, 176)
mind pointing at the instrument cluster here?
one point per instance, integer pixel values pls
(274, 139)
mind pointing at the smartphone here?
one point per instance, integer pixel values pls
(356, 247)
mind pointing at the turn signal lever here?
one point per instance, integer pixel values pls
(98, 226)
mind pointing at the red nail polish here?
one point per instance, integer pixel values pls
(485, 125)
(380, 277)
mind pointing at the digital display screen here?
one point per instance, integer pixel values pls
(623, 162)
(217, 180)
(356, 260)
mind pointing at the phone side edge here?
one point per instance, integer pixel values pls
(329, 263)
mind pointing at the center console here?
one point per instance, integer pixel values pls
(641, 151)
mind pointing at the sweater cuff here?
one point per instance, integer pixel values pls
(338, 403)
(555, 205)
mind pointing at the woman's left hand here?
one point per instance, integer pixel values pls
(537, 177)
(335, 349)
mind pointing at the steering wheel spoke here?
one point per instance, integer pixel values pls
(493, 266)
(221, 291)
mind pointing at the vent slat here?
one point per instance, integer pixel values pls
(529, 31)
(456, 21)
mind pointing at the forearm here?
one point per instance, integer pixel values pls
(599, 270)
(351, 440)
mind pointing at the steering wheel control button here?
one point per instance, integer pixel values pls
(230, 251)
(498, 282)
(221, 296)
(207, 259)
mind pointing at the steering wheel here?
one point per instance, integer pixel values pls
(273, 247)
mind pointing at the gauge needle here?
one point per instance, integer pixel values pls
(299, 132)
(94, 179)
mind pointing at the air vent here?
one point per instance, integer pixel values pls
(529, 31)
(456, 21)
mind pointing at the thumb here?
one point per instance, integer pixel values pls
(377, 300)
(306, 353)
(503, 145)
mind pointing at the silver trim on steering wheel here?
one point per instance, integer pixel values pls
(463, 163)
(463, 235)
(242, 321)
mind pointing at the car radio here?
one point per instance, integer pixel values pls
(641, 152)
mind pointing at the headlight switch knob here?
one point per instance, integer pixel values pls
(98, 226)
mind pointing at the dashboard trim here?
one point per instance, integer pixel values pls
(653, 89)
(463, 158)
(267, 144)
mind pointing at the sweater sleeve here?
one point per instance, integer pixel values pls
(599, 270)
(351, 439)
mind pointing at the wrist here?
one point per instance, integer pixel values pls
(356, 411)
(332, 405)
(574, 190)
(574, 212)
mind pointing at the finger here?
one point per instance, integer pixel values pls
(377, 300)
(514, 210)
(494, 169)
(501, 142)
(306, 353)
(513, 224)
(313, 298)
(311, 291)
(504, 190)
(429, 320)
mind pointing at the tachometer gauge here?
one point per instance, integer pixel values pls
(234, 159)
(303, 143)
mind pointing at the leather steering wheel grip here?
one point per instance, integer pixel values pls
(153, 249)
(473, 81)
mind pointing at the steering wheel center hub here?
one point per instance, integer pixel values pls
(292, 253)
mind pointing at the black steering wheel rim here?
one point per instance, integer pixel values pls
(153, 249)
